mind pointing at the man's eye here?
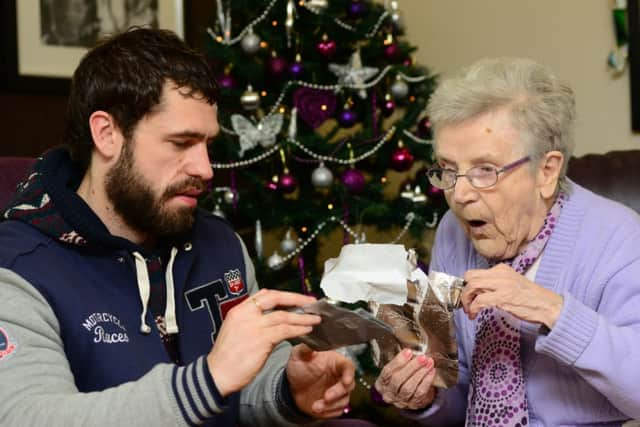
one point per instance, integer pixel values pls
(178, 143)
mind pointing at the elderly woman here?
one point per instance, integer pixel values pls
(549, 333)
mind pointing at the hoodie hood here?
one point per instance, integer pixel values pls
(47, 200)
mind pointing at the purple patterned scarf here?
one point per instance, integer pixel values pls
(497, 395)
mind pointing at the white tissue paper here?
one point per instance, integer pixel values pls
(370, 272)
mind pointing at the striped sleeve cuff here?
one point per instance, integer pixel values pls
(196, 393)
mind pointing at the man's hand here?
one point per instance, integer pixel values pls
(320, 381)
(249, 334)
(506, 289)
(406, 381)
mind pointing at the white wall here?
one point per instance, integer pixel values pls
(571, 36)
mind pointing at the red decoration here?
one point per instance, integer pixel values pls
(401, 159)
(287, 183)
(326, 47)
(434, 192)
(388, 107)
(277, 65)
(424, 128)
(392, 52)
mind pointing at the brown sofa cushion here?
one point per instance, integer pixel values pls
(615, 175)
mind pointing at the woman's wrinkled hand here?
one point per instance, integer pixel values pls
(406, 381)
(503, 287)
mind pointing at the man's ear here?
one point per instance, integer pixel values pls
(549, 170)
(106, 135)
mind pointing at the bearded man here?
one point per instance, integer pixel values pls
(122, 302)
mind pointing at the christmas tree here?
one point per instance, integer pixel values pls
(323, 138)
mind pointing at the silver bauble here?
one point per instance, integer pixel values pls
(275, 261)
(322, 177)
(230, 197)
(399, 89)
(288, 244)
(250, 99)
(250, 43)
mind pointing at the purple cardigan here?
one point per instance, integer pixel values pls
(586, 371)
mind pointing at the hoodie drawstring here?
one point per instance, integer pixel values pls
(144, 287)
(171, 323)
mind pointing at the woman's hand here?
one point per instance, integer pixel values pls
(406, 381)
(502, 287)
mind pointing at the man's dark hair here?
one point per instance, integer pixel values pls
(124, 75)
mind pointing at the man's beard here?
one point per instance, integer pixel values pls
(133, 199)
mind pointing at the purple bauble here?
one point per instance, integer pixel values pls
(276, 66)
(392, 52)
(388, 107)
(314, 105)
(356, 9)
(287, 183)
(424, 128)
(347, 118)
(226, 81)
(353, 180)
(401, 159)
(296, 70)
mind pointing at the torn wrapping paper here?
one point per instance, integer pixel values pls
(367, 272)
(417, 307)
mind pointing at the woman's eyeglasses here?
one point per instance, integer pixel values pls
(479, 177)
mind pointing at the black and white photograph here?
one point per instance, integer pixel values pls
(82, 22)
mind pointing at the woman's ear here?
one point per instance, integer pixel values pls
(106, 135)
(549, 170)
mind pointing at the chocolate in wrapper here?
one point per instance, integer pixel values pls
(342, 327)
(424, 324)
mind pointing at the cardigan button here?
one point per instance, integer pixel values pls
(188, 246)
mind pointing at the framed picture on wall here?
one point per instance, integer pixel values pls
(45, 39)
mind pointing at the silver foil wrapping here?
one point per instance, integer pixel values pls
(424, 324)
(341, 327)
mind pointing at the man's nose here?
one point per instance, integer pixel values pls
(199, 163)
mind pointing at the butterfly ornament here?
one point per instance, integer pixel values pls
(353, 73)
(263, 133)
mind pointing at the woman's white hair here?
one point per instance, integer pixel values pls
(542, 106)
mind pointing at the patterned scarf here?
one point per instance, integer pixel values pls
(497, 395)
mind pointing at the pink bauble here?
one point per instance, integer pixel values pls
(353, 180)
(277, 66)
(424, 128)
(326, 48)
(388, 107)
(434, 192)
(287, 183)
(392, 52)
(401, 159)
